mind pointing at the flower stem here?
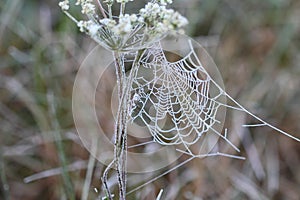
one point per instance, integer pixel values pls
(110, 11)
(121, 127)
(122, 9)
(120, 152)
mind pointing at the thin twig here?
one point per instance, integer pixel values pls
(101, 9)
(104, 180)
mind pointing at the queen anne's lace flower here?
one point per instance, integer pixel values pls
(156, 15)
(155, 19)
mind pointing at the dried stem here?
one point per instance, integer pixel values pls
(120, 154)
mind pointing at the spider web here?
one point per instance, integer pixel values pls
(176, 103)
(174, 100)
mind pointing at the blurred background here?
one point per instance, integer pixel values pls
(255, 44)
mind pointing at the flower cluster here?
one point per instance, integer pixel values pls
(125, 25)
(87, 6)
(155, 19)
(161, 18)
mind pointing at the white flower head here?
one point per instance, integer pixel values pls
(64, 5)
(124, 30)
(160, 19)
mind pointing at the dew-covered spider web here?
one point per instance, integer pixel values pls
(175, 102)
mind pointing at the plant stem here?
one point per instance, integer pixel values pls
(122, 9)
(110, 11)
(120, 127)
(120, 153)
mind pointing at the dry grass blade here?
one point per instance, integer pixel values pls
(78, 165)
